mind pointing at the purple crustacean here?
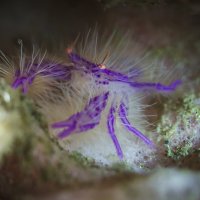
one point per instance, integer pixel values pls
(90, 116)
(25, 78)
(37, 66)
(32, 70)
(113, 90)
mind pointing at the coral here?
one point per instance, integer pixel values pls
(179, 126)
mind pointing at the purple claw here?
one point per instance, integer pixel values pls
(85, 120)
(16, 83)
(20, 81)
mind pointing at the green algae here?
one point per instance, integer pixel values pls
(81, 160)
(179, 126)
(16, 120)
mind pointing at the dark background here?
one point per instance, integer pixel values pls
(56, 22)
(46, 22)
(172, 26)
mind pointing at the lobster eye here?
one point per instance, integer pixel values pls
(102, 66)
(68, 50)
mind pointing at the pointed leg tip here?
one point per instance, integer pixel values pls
(54, 125)
(121, 157)
(62, 135)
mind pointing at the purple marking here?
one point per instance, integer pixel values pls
(157, 86)
(111, 131)
(85, 120)
(87, 127)
(16, 83)
(115, 76)
(126, 123)
(66, 132)
(65, 123)
(80, 61)
(94, 69)
(21, 81)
